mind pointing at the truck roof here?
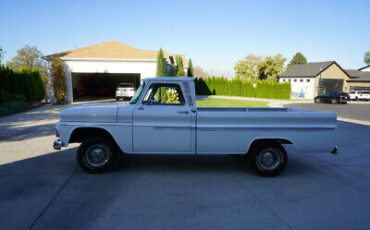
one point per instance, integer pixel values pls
(169, 79)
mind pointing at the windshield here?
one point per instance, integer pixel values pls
(125, 85)
(137, 94)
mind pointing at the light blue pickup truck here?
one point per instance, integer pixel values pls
(162, 118)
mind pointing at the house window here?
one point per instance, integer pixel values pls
(308, 80)
(295, 80)
(300, 80)
(283, 79)
(290, 80)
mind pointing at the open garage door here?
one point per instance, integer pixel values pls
(95, 86)
(330, 85)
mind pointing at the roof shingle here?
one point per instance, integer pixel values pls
(306, 70)
(114, 50)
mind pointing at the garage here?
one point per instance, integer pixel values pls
(93, 72)
(93, 86)
(331, 85)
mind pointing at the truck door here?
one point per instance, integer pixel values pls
(162, 121)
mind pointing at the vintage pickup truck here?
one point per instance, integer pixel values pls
(162, 118)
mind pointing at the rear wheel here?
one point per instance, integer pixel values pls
(268, 159)
(317, 100)
(96, 154)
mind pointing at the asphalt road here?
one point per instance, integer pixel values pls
(44, 189)
(356, 111)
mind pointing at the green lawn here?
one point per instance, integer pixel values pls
(217, 102)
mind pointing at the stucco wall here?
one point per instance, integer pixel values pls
(300, 85)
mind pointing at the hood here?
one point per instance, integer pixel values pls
(90, 113)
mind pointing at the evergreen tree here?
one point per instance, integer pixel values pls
(367, 58)
(298, 59)
(58, 80)
(190, 69)
(180, 67)
(161, 65)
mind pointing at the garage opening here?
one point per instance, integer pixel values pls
(330, 85)
(96, 86)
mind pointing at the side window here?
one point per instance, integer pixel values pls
(164, 94)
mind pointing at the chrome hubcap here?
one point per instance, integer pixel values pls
(269, 159)
(97, 155)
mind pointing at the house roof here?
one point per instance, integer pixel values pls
(358, 76)
(113, 50)
(365, 67)
(307, 70)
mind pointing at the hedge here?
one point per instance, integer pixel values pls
(22, 84)
(261, 89)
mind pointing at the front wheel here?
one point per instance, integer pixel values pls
(334, 101)
(268, 159)
(96, 154)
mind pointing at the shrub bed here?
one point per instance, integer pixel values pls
(13, 107)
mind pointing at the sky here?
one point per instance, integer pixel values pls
(214, 34)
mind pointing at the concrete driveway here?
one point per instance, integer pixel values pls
(44, 189)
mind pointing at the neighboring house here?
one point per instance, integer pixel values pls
(96, 70)
(360, 79)
(365, 68)
(311, 79)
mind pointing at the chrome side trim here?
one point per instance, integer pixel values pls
(265, 128)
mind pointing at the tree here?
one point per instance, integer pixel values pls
(171, 70)
(161, 65)
(367, 58)
(247, 68)
(28, 57)
(190, 69)
(2, 52)
(180, 67)
(270, 67)
(298, 58)
(199, 72)
(58, 80)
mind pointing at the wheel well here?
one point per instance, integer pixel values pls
(268, 141)
(80, 134)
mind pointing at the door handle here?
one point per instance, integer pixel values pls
(183, 111)
(140, 108)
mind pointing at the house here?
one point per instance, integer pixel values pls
(96, 70)
(360, 79)
(311, 79)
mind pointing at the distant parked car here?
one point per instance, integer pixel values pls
(333, 98)
(125, 91)
(359, 95)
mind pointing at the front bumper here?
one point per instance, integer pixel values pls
(58, 144)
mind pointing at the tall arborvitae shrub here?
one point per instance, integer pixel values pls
(25, 84)
(190, 69)
(235, 87)
(161, 65)
(58, 80)
(180, 67)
